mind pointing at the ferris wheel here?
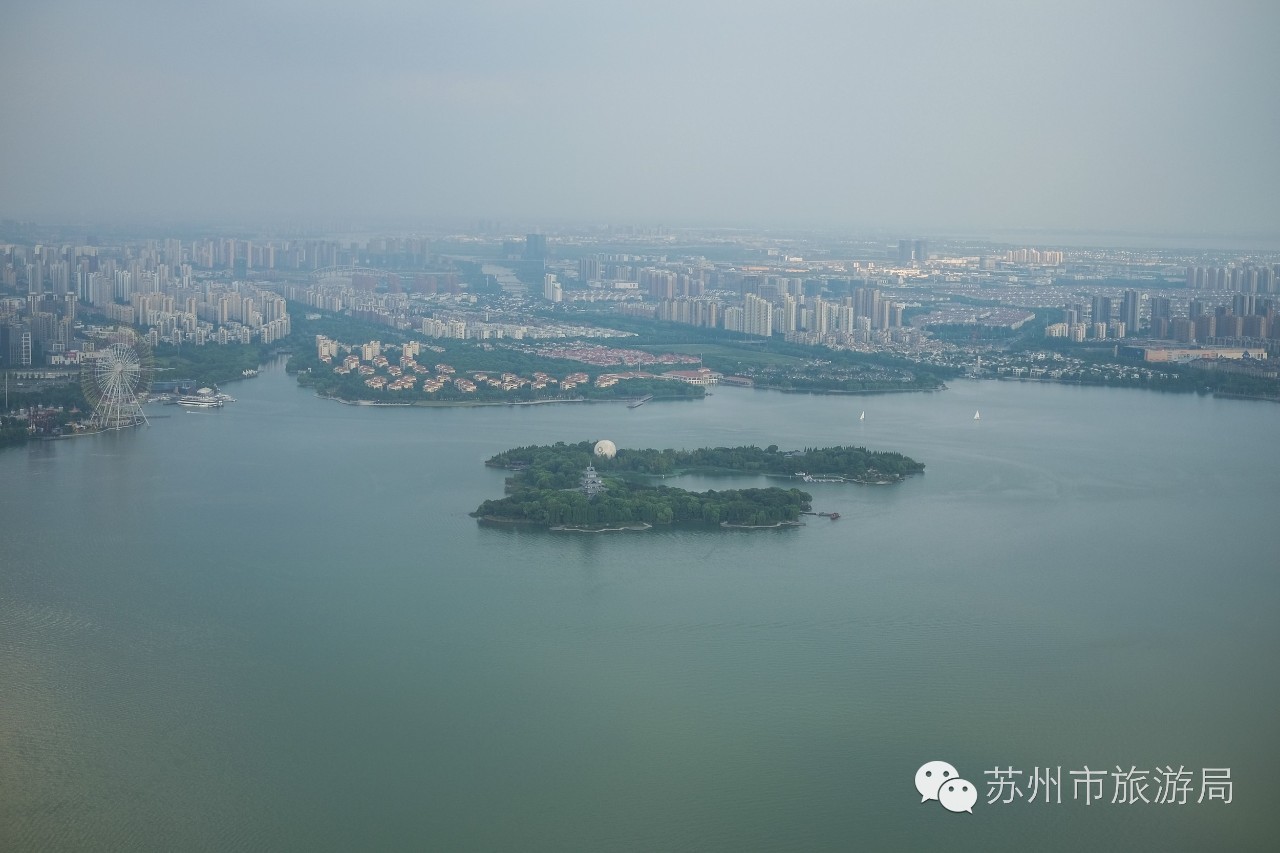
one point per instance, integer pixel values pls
(114, 381)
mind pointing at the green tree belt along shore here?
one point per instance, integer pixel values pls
(546, 486)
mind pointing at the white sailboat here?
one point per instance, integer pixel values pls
(977, 417)
(862, 417)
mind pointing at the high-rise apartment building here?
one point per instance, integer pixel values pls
(757, 316)
(535, 247)
(866, 302)
(913, 251)
(1130, 308)
(1101, 309)
(551, 289)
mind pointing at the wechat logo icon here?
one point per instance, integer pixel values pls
(938, 780)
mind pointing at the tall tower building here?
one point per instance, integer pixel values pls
(535, 247)
(1129, 310)
(552, 290)
(785, 315)
(866, 301)
(1101, 309)
(913, 251)
(882, 316)
(757, 316)
(35, 276)
(1160, 327)
(733, 316)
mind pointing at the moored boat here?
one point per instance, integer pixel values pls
(205, 398)
(196, 401)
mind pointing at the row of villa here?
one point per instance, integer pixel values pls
(379, 373)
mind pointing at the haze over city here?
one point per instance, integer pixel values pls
(1143, 117)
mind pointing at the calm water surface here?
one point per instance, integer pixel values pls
(274, 627)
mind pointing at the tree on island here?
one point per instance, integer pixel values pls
(546, 487)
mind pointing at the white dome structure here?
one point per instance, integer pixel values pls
(606, 449)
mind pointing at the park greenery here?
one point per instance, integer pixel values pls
(210, 364)
(544, 488)
(37, 423)
(13, 431)
(47, 409)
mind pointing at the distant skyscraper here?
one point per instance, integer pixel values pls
(552, 290)
(1160, 327)
(757, 316)
(18, 340)
(733, 319)
(1129, 310)
(787, 314)
(1101, 309)
(1182, 329)
(535, 247)
(883, 315)
(913, 251)
(1242, 304)
(866, 301)
(35, 277)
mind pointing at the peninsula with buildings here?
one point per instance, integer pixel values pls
(467, 314)
(597, 486)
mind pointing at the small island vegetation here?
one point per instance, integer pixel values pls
(548, 486)
(559, 465)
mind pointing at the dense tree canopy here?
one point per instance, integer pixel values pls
(632, 503)
(545, 486)
(560, 465)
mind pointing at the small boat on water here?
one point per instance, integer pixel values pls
(862, 417)
(977, 417)
(831, 515)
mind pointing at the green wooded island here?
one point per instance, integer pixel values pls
(595, 486)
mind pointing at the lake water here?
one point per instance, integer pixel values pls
(274, 627)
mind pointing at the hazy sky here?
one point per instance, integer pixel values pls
(1148, 116)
